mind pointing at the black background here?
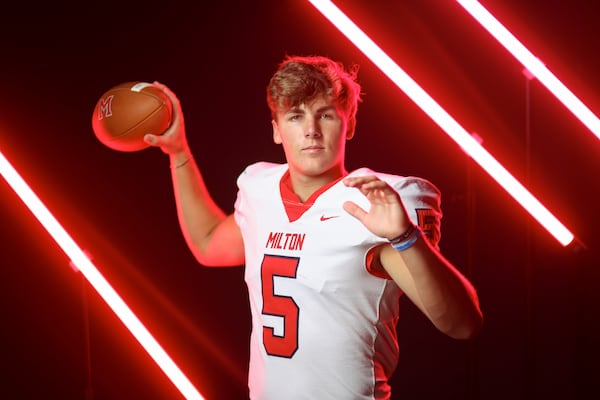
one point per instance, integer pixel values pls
(59, 340)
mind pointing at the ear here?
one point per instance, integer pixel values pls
(276, 135)
(350, 128)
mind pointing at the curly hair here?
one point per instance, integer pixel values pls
(300, 79)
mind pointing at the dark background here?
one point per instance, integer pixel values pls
(60, 341)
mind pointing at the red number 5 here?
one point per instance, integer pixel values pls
(281, 306)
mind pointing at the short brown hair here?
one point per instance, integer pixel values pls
(300, 79)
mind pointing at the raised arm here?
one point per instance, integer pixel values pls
(213, 237)
(436, 287)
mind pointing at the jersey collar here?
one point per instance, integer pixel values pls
(294, 207)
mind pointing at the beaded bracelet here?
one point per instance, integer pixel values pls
(407, 239)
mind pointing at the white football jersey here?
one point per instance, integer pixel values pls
(324, 327)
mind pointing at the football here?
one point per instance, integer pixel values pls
(127, 112)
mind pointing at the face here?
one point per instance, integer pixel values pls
(313, 136)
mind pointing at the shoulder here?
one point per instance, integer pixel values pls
(263, 167)
(421, 198)
(261, 170)
(257, 185)
(419, 189)
(407, 186)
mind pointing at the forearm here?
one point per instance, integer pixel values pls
(439, 290)
(198, 214)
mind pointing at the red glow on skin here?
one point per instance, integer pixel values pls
(313, 137)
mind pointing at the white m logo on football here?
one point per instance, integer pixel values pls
(105, 107)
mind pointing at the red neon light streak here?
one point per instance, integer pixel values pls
(444, 120)
(532, 64)
(90, 272)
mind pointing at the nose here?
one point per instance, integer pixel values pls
(313, 129)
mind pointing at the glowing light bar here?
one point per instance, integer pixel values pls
(467, 142)
(81, 261)
(532, 64)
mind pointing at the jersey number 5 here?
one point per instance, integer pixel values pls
(281, 306)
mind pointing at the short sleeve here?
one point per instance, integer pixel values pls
(422, 201)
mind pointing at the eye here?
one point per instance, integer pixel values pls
(327, 116)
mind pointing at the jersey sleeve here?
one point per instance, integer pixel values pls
(245, 183)
(422, 201)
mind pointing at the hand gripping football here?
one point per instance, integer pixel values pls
(127, 112)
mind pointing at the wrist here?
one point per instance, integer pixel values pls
(180, 159)
(407, 239)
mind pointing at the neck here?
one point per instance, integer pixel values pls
(304, 186)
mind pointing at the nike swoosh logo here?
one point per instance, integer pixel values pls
(324, 218)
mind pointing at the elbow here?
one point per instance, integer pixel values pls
(211, 255)
(214, 260)
(468, 328)
(205, 260)
(462, 322)
(202, 252)
(467, 321)
(203, 257)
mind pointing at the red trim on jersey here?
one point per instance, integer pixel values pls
(294, 207)
(372, 269)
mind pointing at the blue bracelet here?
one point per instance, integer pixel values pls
(407, 239)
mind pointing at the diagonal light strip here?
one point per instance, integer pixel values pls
(90, 272)
(532, 64)
(444, 120)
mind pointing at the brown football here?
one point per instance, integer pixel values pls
(127, 112)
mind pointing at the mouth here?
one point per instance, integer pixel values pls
(313, 149)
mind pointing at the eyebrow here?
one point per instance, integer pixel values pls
(298, 110)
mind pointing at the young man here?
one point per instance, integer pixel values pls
(327, 253)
